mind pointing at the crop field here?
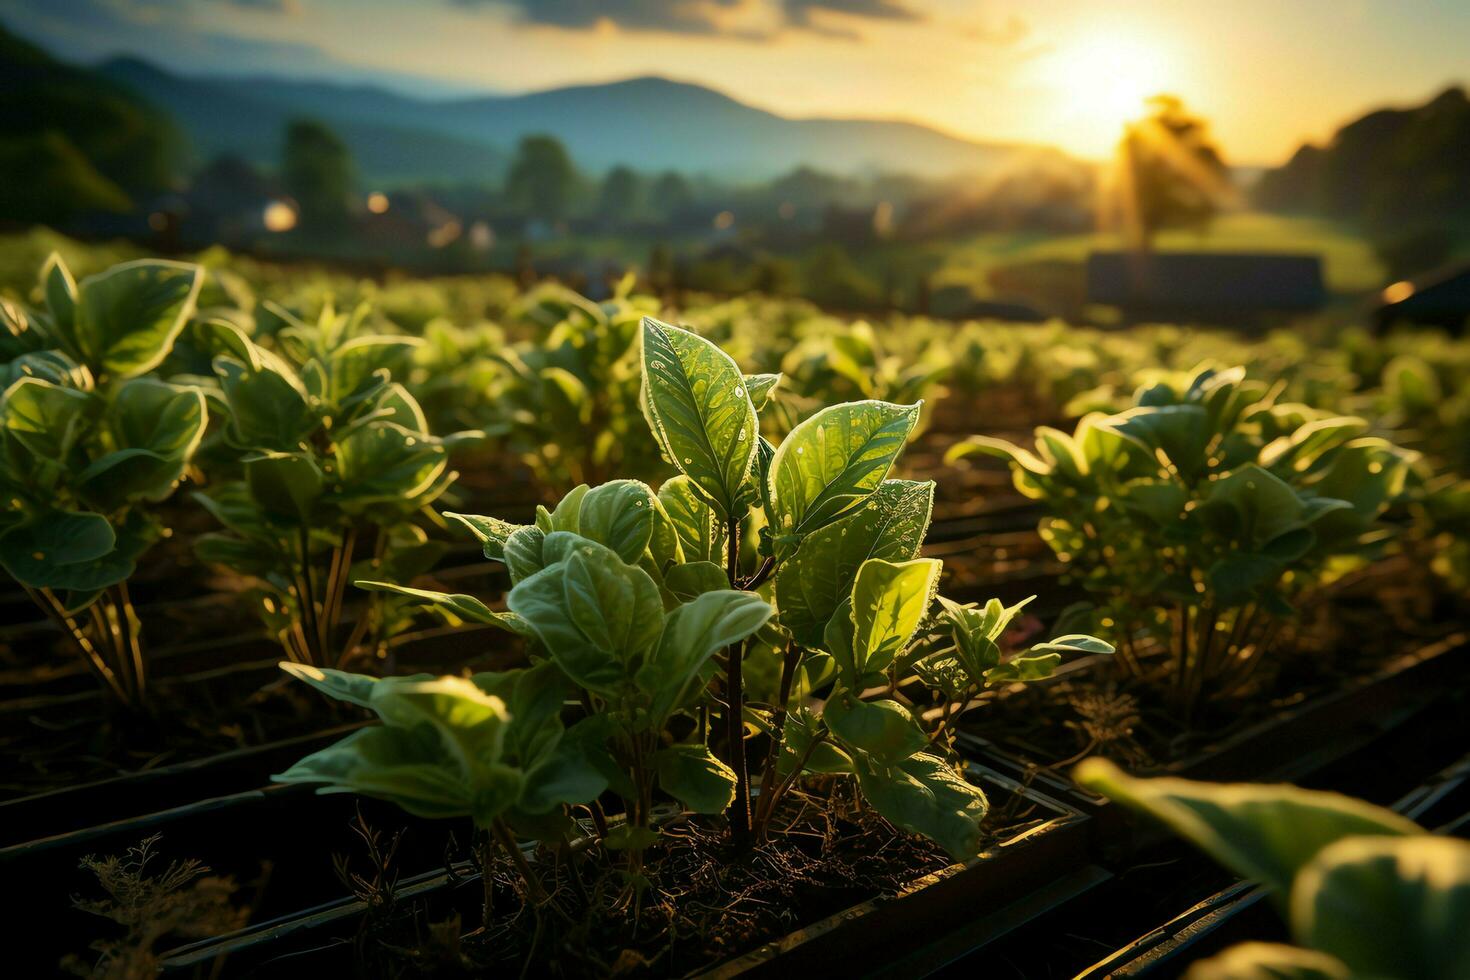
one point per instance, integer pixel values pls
(441, 626)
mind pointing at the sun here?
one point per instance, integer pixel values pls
(1099, 82)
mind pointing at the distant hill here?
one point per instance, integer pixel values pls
(649, 123)
(72, 141)
(1389, 168)
(247, 118)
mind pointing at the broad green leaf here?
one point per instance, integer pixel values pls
(269, 406)
(127, 317)
(471, 724)
(1268, 833)
(157, 427)
(699, 411)
(620, 515)
(46, 418)
(285, 485)
(883, 729)
(405, 767)
(692, 634)
(523, 552)
(385, 464)
(812, 583)
(61, 550)
(832, 461)
(924, 795)
(1263, 506)
(692, 775)
(1179, 433)
(616, 606)
(888, 602)
(492, 532)
(702, 533)
(344, 686)
(1388, 906)
(694, 579)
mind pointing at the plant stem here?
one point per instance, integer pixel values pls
(735, 710)
(308, 601)
(534, 888)
(94, 660)
(789, 663)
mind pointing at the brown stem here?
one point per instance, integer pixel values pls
(308, 600)
(507, 840)
(739, 811)
(53, 608)
(789, 664)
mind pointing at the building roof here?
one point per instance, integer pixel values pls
(1206, 282)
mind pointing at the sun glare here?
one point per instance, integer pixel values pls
(1101, 82)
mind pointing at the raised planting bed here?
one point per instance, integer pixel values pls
(1418, 768)
(1302, 735)
(1036, 859)
(1241, 912)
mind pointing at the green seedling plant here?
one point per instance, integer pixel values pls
(1365, 891)
(761, 620)
(91, 441)
(567, 399)
(335, 470)
(1204, 515)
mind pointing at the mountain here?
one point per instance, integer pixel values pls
(72, 141)
(1390, 168)
(650, 123)
(248, 117)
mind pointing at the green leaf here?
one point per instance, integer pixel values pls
(466, 607)
(692, 580)
(699, 411)
(924, 795)
(1263, 506)
(46, 418)
(128, 316)
(888, 602)
(594, 614)
(523, 552)
(692, 775)
(157, 427)
(1180, 433)
(1268, 961)
(832, 461)
(492, 532)
(883, 729)
(269, 407)
(761, 387)
(62, 549)
(1268, 833)
(1388, 906)
(812, 583)
(61, 292)
(285, 485)
(620, 515)
(691, 635)
(405, 767)
(385, 464)
(702, 533)
(344, 686)
(1074, 643)
(1026, 667)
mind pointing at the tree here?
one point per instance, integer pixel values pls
(1169, 173)
(620, 195)
(542, 179)
(671, 195)
(317, 171)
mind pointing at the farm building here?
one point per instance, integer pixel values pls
(1232, 288)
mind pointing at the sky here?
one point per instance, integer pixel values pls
(1267, 74)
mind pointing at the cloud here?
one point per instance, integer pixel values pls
(672, 16)
(290, 7)
(727, 18)
(799, 12)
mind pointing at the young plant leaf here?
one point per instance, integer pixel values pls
(692, 775)
(812, 583)
(924, 795)
(699, 411)
(833, 460)
(1268, 833)
(888, 602)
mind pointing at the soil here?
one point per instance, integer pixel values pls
(703, 903)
